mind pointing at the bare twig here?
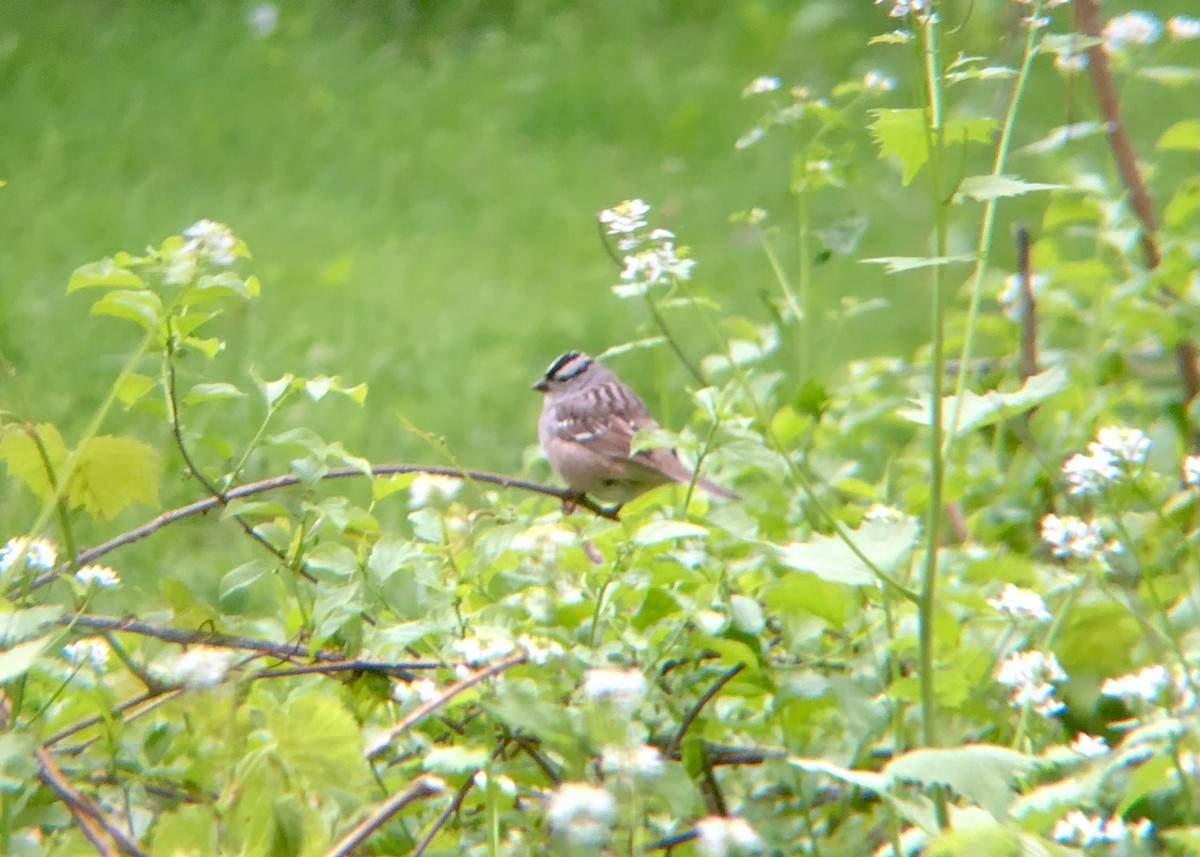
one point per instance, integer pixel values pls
(1087, 22)
(1028, 305)
(276, 482)
(726, 676)
(441, 820)
(92, 821)
(426, 708)
(423, 787)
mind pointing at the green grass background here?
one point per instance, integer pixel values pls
(418, 184)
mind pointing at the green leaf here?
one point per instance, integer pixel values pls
(983, 188)
(887, 544)
(113, 472)
(661, 531)
(319, 743)
(970, 130)
(901, 134)
(1183, 136)
(143, 308)
(747, 614)
(103, 274)
(656, 438)
(982, 773)
(21, 454)
(16, 660)
(244, 576)
(976, 411)
(898, 264)
(211, 393)
(1174, 76)
(17, 625)
(132, 386)
(454, 760)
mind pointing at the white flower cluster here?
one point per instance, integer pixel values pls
(1089, 746)
(1030, 674)
(650, 258)
(1146, 684)
(1115, 450)
(100, 576)
(623, 689)
(718, 836)
(1132, 28)
(1073, 538)
(91, 653)
(37, 554)
(1020, 604)
(207, 241)
(582, 814)
(1078, 828)
(1184, 28)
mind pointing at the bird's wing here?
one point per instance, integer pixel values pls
(603, 418)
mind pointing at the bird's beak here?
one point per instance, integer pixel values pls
(542, 386)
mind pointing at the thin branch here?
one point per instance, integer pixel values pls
(425, 709)
(441, 820)
(1087, 22)
(423, 787)
(726, 676)
(274, 483)
(1028, 306)
(90, 818)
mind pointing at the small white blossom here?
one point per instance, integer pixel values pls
(760, 85)
(717, 836)
(1191, 471)
(1088, 474)
(1089, 746)
(645, 761)
(1035, 22)
(1132, 28)
(38, 554)
(582, 813)
(1020, 604)
(91, 652)
(756, 216)
(1184, 27)
(210, 239)
(878, 82)
(903, 8)
(1076, 828)
(629, 216)
(1145, 684)
(429, 487)
(263, 19)
(97, 575)
(1129, 445)
(420, 690)
(623, 688)
(1070, 537)
(1030, 674)
(199, 667)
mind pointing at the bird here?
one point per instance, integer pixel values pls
(586, 428)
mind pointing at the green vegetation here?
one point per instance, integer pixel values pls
(955, 606)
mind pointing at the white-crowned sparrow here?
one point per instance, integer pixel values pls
(588, 422)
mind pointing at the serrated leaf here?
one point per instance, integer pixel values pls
(976, 411)
(1181, 137)
(113, 472)
(103, 274)
(662, 531)
(211, 393)
(982, 773)
(335, 762)
(885, 543)
(898, 264)
(16, 660)
(901, 134)
(983, 188)
(1061, 136)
